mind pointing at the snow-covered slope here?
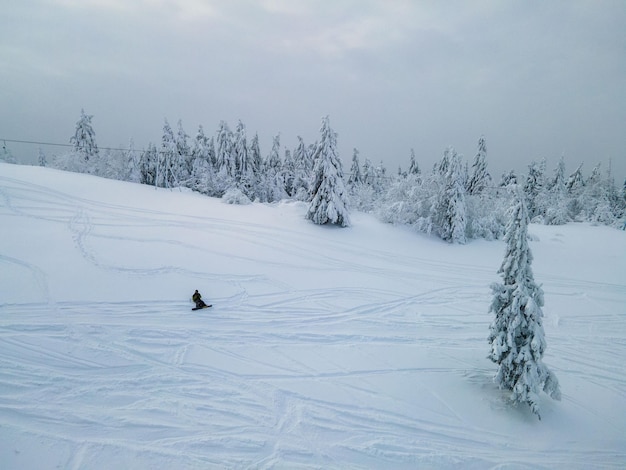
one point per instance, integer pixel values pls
(360, 347)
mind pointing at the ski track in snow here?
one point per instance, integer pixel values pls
(278, 375)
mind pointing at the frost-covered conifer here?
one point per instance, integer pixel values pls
(42, 158)
(516, 336)
(132, 158)
(183, 162)
(369, 174)
(202, 171)
(596, 198)
(450, 211)
(84, 138)
(166, 175)
(480, 178)
(575, 182)
(148, 163)
(273, 173)
(355, 170)
(329, 198)
(225, 161)
(256, 159)
(533, 187)
(289, 173)
(575, 186)
(557, 212)
(508, 179)
(414, 168)
(303, 171)
(245, 176)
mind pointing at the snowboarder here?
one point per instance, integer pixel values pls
(197, 298)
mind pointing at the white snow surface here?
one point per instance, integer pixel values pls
(326, 347)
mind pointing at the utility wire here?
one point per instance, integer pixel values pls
(62, 145)
(100, 148)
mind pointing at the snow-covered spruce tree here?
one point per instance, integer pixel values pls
(516, 336)
(42, 158)
(131, 159)
(224, 160)
(533, 188)
(361, 184)
(556, 212)
(480, 178)
(575, 188)
(166, 176)
(596, 200)
(508, 179)
(202, 171)
(450, 216)
(254, 154)
(414, 168)
(485, 210)
(407, 202)
(289, 173)
(183, 163)
(84, 138)
(275, 185)
(303, 170)
(329, 197)
(244, 168)
(355, 178)
(148, 165)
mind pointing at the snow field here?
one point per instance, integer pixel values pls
(361, 347)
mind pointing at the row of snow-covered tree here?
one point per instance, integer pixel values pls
(453, 201)
(459, 203)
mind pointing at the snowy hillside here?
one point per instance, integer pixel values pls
(361, 347)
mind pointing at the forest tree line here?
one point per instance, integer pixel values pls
(454, 200)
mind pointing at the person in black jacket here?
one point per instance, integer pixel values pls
(197, 298)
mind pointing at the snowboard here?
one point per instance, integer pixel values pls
(200, 308)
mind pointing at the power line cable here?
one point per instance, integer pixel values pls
(63, 145)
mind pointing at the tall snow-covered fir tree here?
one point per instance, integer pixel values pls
(225, 159)
(84, 138)
(202, 171)
(516, 336)
(329, 197)
(480, 178)
(148, 163)
(256, 160)
(166, 175)
(225, 165)
(414, 168)
(450, 210)
(303, 169)
(132, 158)
(533, 188)
(41, 158)
(275, 185)
(355, 177)
(557, 212)
(245, 176)
(289, 173)
(183, 164)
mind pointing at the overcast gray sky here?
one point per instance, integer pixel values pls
(539, 78)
